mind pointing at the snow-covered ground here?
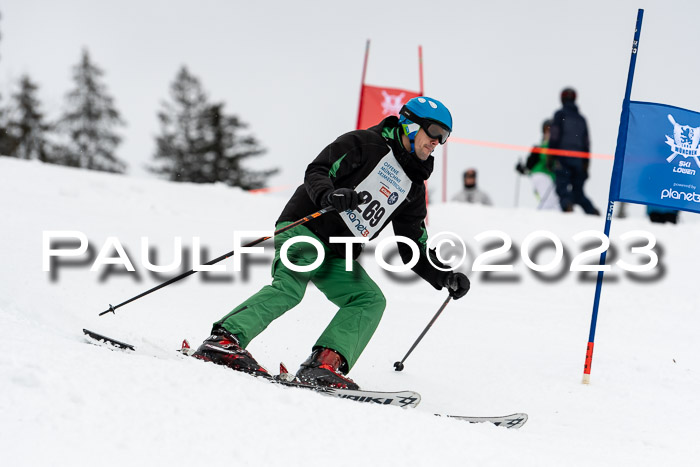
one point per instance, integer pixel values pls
(510, 345)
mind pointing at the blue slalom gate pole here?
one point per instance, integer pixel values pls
(614, 193)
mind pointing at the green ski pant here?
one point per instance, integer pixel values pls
(359, 300)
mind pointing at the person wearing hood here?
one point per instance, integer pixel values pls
(470, 193)
(569, 131)
(367, 179)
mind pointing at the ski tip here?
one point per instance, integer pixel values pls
(108, 340)
(515, 420)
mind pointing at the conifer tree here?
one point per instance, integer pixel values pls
(90, 122)
(228, 149)
(199, 143)
(26, 127)
(6, 143)
(177, 146)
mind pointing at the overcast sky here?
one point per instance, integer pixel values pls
(292, 70)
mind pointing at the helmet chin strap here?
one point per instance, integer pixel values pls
(411, 130)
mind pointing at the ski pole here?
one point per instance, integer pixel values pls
(303, 220)
(517, 186)
(398, 366)
(546, 196)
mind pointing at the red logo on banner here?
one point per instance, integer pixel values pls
(378, 103)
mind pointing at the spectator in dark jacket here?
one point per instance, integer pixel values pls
(569, 131)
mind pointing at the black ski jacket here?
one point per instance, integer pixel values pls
(569, 131)
(344, 164)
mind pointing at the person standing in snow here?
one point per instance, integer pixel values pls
(662, 215)
(539, 167)
(569, 131)
(470, 193)
(372, 178)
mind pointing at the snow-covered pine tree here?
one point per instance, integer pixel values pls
(25, 124)
(199, 143)
(6, 142)
(178, 144)
(90, 122)
(228, 148)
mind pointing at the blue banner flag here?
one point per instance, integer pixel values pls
(660, 163)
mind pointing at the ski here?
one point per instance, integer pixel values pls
(403, 399)
(108, 340)
(515, 420)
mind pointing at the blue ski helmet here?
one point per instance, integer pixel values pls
(427, 113)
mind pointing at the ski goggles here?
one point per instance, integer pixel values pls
(435, 131)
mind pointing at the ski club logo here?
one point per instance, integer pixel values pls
(685, 142)
(394, 197)
(392, 103)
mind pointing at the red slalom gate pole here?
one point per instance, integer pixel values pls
(362, 85)
(444, 172)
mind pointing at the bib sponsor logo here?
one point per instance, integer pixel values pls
(357, 223)
(392, 196)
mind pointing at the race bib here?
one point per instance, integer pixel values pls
(386, 187)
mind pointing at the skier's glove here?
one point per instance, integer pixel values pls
(343, 199)
(520, 168)
(458, 284)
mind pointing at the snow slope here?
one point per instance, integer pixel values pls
(510, 345)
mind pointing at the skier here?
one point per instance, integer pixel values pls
(569, 131)
(385, 168)
(539, 167)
